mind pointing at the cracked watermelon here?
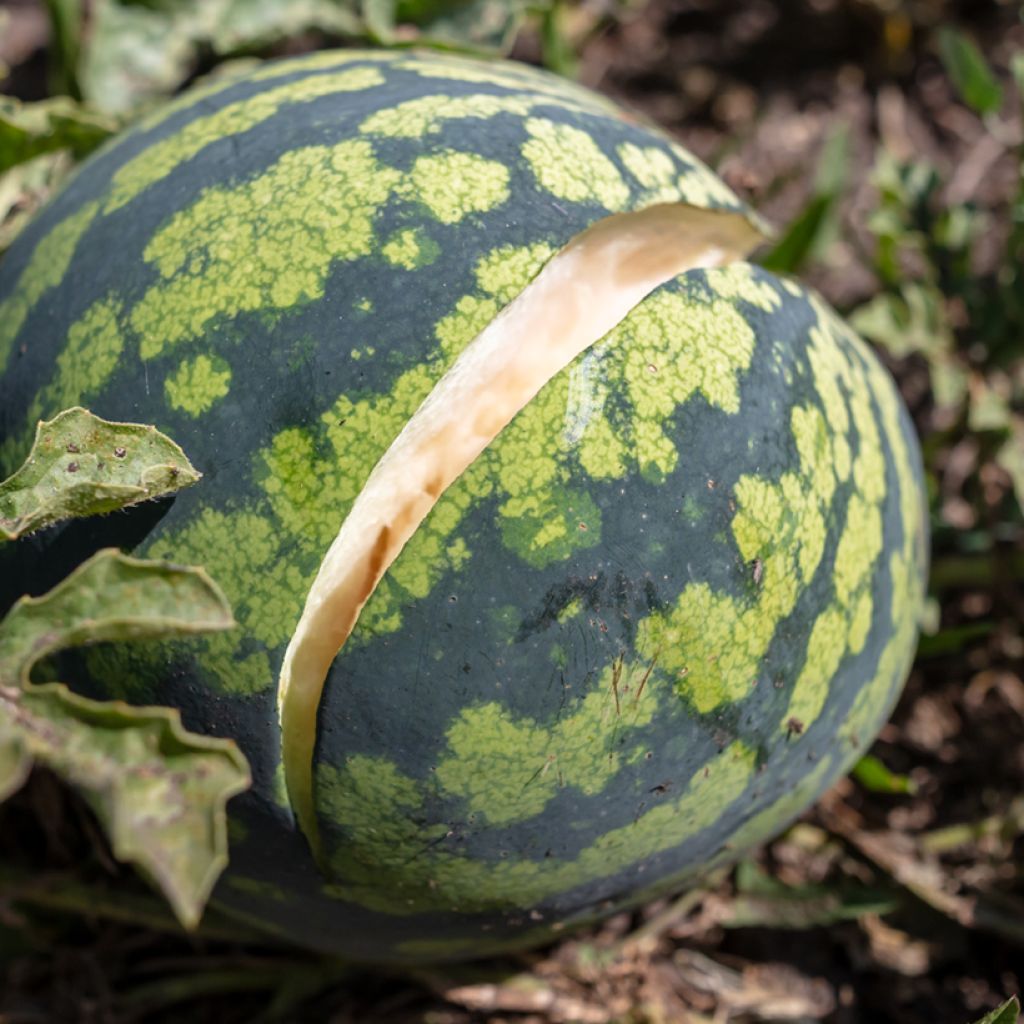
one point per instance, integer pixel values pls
(661, 610)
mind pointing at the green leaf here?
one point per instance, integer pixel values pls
(812, 228)
(159, 791)
(28, 130)
(66, 30)
(557, 50)
(1005, 1014)
(873, 775)
(109, 597)
(969, 72)
(790, 253)
(81, 465)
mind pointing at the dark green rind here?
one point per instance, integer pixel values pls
(507, 635)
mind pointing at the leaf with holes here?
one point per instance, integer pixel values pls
(81, 465)
(159, 790)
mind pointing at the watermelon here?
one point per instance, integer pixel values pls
(572, 553)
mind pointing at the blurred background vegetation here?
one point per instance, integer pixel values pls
(884, 140)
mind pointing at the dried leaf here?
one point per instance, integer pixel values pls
(763, 901)
(761, 991)
(24, 189)
(159, 791)
(81, 465)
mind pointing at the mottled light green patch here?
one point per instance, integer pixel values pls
(549, 525)
(427, 115)
(198, 384)
(860, 622)
(266, 244)
(570, 611)
(712, 645)
(453, 185)
(127, 670)
(157, 161)
(692, 510)
(85, 364)
(433, 548)
(668, 180)
(312, 478)
(544, 516)
(262, 579)
(667, 349)
(554, 91)
(387, 861)
(504, 272)
(874, 702)
(380, 810)
(709, 645)
(844, 625)
(191, 98)
(364, 305)
(411, 248)
(859, 546)
(471, 315)
(130, 671)
(743, 281)
(45, 270)
(700, 186)
(813, 442)
(906, 567)
(508, 769)
(825, 650)
(602, 453)
(654, 169)
(321, 60)
(569, 164)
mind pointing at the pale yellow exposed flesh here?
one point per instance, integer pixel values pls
(578, 297)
